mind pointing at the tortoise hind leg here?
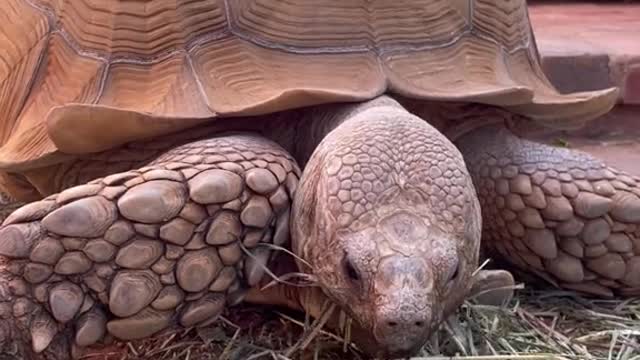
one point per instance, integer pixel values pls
(133, 253)
(555, 212)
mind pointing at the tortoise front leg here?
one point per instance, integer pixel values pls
(137, 252)
(555, 212)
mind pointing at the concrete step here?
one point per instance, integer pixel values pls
(588, 45)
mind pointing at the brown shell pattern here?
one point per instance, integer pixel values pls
(69, 68)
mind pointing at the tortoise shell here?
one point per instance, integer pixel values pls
(80, 76)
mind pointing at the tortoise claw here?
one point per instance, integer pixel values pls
(43, 329)
(492, 287)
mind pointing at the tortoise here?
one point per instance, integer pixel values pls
(168, 152)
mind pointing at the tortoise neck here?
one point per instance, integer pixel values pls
(311, 125)
(455, 120)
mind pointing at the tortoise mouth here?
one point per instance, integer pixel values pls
(404, 343)
(388, 350)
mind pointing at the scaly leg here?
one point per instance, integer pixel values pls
(555, 212)
(136, 252)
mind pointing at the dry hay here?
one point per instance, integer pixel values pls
(536, 324)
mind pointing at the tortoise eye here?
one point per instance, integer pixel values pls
(454, 272)
(351, 270)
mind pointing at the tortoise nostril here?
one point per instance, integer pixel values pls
(395, 324)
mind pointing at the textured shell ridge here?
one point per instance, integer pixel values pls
(189, 61)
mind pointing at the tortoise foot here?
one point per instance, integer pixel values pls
(558, 213)
(134, 253)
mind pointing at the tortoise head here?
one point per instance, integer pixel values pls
(388, 218)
